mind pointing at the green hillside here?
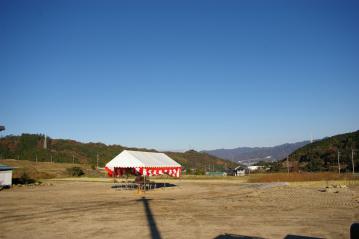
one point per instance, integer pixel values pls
(31, 147)
(322, 155)
(201, 162)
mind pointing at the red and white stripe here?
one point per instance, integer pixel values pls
(145, 171)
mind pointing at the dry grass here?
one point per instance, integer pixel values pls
(301, 177)
(207, 177)
(46, 170)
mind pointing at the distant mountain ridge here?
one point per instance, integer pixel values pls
(31, 147)
(250, 155)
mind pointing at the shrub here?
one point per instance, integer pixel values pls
(75, 171)
(199, 172)
(24, 179)
(315, 164)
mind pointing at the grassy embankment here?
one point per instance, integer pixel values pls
(46, 170)
(347, 178)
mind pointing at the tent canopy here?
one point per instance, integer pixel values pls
(142, 163)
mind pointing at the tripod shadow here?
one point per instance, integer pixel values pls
(155, 233)
(233, 236)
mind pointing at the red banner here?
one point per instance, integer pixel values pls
(145, 171)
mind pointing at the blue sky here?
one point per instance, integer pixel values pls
(180, 74)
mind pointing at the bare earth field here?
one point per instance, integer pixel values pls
(192, 209)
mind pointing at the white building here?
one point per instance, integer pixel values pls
(256, 168)
(240, 171)
(5, 176)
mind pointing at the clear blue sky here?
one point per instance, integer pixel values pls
(180, 74)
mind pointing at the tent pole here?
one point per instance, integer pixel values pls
(113, 175)
(126, 176)
(144, 183)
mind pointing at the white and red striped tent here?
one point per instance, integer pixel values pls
(142, 163)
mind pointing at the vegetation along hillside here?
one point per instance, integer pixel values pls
(248, 155)
(31, 147)
(322, 155)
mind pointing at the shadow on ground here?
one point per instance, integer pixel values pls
(233, 236)
(300, 237)
(165, 185)
(155, 233)
(151, 186)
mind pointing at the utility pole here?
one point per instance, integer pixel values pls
(287, 164)
(338, 161)
(36, 158)
(45, 142)
(97, 161)
(73, 159)
(353, 160)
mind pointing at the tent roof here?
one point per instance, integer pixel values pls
(134, 159)
(4, 167)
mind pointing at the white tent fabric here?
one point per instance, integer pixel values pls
(138, 159)
(142, 163)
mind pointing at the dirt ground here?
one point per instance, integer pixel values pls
(191, 209)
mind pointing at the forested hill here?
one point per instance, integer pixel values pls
(201, 161)
(322, 155)
(31, 147)
(248, 155)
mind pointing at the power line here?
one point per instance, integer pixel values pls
(287, 164)
(338, 161)
(353, 160)
(353, 165)
(97, 160)
(45, 142)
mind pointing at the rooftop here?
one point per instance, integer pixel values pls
(4, 167)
